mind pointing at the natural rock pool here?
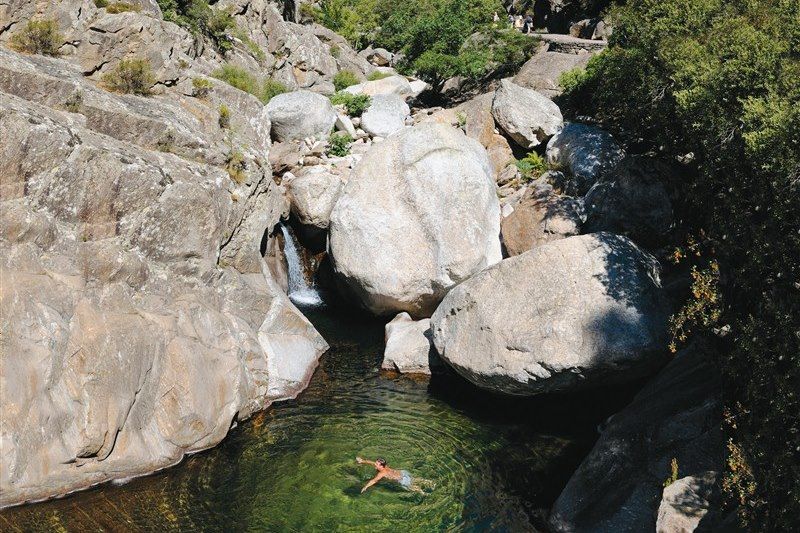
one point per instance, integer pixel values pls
(498, 463)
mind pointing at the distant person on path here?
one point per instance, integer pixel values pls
(518, 22)
(527, 26)
(403, 477)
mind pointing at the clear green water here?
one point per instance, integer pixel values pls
(498, 463)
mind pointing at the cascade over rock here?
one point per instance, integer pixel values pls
(418, 216)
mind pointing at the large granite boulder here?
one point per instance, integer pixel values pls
(540, 216)
(418, 216)
(632, 200)
(386, 115)
(582, 311)
(300, 114)
(585, 152)
(138, 319)
(543, 71)
(409, 348)
(398, 85)
(619, 485)
(528, 117)
(313, 193)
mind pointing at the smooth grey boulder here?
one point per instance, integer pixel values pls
(587, 153)
(409, 348)
(528, 117)
(313, 193)
(686, 502)
(542, 72)
(398, 85)
(618, 486)
(300, 114)
(632, 200)
(418, 216)
(386, 115)
(581, 311)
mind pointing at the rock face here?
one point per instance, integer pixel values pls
(138, 318)
(525, 115)
(542, 72)
(418, 216)
(409, 349)
(632, 200)
(618, 486)
(686, 503)
(300, 114)
(312, 194)
(586, 152)
(386, 115)
(581, 311)
(541, 216)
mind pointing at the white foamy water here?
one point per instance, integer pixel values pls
(300, 291)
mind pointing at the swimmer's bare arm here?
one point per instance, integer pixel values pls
(361, 461)
(373, 481)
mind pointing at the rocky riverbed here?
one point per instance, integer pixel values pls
(144, 253)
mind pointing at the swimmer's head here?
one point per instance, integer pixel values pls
(380, 463)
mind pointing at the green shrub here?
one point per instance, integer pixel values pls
(720, 82)
(236, 166)
(239, 77)
(339, 144)
(272, 88)
(355, 104)
(224, 117)
(344, 79)
(198, 17)
(244, 80)
(531, 166)
(462, 120)
(376, 75)
(201, 87)
(101, 3)
(251, 45)
(572, 78)
(133, 76)
(336, 52)
(74, 102)
(38, 37)
(122, 7)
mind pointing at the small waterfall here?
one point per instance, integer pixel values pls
(300, 291)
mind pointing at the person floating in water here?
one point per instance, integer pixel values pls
(403, 477)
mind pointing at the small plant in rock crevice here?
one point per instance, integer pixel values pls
(38, 37)
(224, 117)
(354, 104)
(74, 102)
(376, 75)
(531, 166)
(201, 87)
(339, 144)
(134, 76)
(236, 165)
(344, 79)
(673, 475)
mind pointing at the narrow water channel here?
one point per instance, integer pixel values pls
(498, 463)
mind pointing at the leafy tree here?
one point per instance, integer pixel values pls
(716, 84)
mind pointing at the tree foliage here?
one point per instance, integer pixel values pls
(717, 82)
(439, 39)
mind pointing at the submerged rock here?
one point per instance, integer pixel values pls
(418, 216)
(300, 114)
(618, 487)
(409, 347)
(581, 311)
(525, 115)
